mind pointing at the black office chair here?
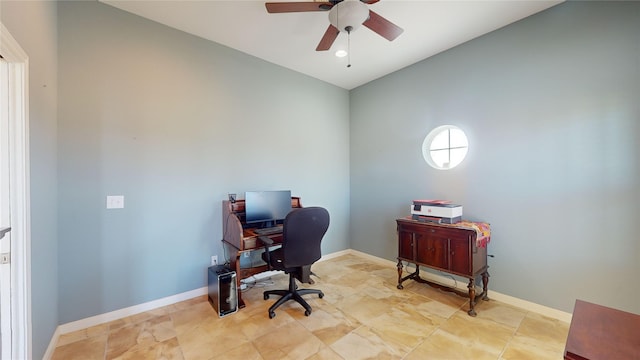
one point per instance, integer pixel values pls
(302, 233)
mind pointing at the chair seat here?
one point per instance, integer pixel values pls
(275, 259)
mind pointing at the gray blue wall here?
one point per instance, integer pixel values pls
(175, 123)
(550, 106)
(33, 25)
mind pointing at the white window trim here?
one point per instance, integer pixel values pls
(426, 146)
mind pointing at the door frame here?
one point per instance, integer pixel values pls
(18, 66)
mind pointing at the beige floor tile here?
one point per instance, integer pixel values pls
(327, 316)
(427, 306)
(363, 344)
(83, 334)
(335, 293)
(185, 319)
(478, 332)
(258, 323)
(364, 308)
(290, 341)
(85, 349)
(422, 309)
(209, 339)
(123, 339)
(325, 354)
(165, 350)
(445, 297)
(329, 325)
(402, 331)
(526, 348)
(362, 316)
(544, 329)
(245, 352)
(444, 345)
(154, 336)
(501, 313)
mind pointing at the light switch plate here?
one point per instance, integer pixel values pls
(115, 201)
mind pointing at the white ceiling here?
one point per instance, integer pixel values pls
(290, 39)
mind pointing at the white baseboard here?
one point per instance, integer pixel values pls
(151, 305)
(337, 254)
(52, 344)
(527, 305)
(118, 314)
(132, 310)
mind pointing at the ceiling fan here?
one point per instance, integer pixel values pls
(344, 15)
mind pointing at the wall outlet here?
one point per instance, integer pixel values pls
(214, 260)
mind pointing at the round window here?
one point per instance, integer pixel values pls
(445, 147)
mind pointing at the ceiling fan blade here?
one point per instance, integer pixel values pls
(369, 1)
(382, 26)
(328, 38)
(284, 7)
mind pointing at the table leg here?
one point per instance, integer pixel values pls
(472, 297)
(399, 266)
(235, 265)
(485, 285)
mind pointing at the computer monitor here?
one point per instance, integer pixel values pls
(267, 207)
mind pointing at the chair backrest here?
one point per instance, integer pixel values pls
(302, 233)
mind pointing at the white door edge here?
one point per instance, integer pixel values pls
(18, 64)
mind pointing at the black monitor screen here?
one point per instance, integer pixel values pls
(267, 206)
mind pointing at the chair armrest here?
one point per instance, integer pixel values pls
(267, 242)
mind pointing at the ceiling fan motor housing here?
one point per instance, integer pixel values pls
(348, 15)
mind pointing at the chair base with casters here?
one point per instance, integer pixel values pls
(291, 294)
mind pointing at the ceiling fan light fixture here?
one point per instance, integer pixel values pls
(341, 53)
(348, 15)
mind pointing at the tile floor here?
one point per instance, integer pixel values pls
(362, 316)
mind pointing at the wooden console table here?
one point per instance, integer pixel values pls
(598, 332)
(239, 239)
(448, 248)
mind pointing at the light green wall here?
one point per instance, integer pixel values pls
(550, 106)
(33, 25)
(175, 123)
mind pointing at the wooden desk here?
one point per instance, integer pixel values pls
(598, 332)
(239, 239)
(445, 248)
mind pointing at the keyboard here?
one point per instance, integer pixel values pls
(268, 231)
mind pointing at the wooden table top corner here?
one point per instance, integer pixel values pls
(598, 332)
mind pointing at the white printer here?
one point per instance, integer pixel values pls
(440, 211)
